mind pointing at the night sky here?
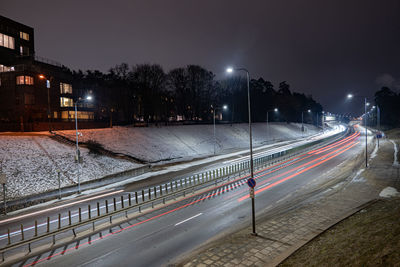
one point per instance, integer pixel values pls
(322, 48)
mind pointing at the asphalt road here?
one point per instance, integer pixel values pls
(158, 237)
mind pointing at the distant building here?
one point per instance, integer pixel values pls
(33, 89)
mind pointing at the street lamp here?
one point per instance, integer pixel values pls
(274, 110)
(78, 154)
(302, 121)
(48, 83)
(230, 70)
(350, 96)
(224, 107)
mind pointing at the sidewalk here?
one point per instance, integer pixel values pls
(280, 236)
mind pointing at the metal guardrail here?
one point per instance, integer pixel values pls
(167, 191)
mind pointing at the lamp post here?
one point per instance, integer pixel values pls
(274, 110)
(350, 96)
(78, 154)
(302, 121)
(48, 84)
(224, 107)
(230, 70)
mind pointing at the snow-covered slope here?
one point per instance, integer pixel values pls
(31, 164)
(176, 142)
(31, 161)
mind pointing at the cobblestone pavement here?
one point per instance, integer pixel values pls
(280, 236)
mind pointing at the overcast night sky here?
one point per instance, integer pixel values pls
(323, 48)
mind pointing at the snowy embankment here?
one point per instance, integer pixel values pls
(31, 163)
(154, 144)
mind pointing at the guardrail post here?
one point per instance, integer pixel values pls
(142, 195)
(69, 218)
(160, 190)
(130, 200)
(8, 235)
(89, 212)
(115, 204)
(136, 197)
(48, 224)
(176, 185)
(98, 209)
(122, 201)
(166, 189)
(106, 206)
(149, 193)
(80, 214)
(35, 227)
(22, 232)
(155, 192)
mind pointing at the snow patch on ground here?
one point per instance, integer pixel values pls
(375, 152)
(396, 151)
(389, 192)
(358, 178)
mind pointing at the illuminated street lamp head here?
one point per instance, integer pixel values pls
(373, 107)
(309, 111)
(224, 107)
(276, 109)
(41, 76)
(229, 70)
(350, 96)
(89, 97)
(367, 104)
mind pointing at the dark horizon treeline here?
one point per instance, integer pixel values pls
(144, 92)
(389, 105)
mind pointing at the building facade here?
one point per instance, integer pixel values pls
(34, 89)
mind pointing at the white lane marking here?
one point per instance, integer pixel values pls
(188, 219)
(58, 207)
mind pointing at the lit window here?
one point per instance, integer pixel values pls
(66, 102)
(5, 68)
(65, 88)
(25, 80)
(7, 41)
(24, 35)
(28, 80)
(24, 51)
